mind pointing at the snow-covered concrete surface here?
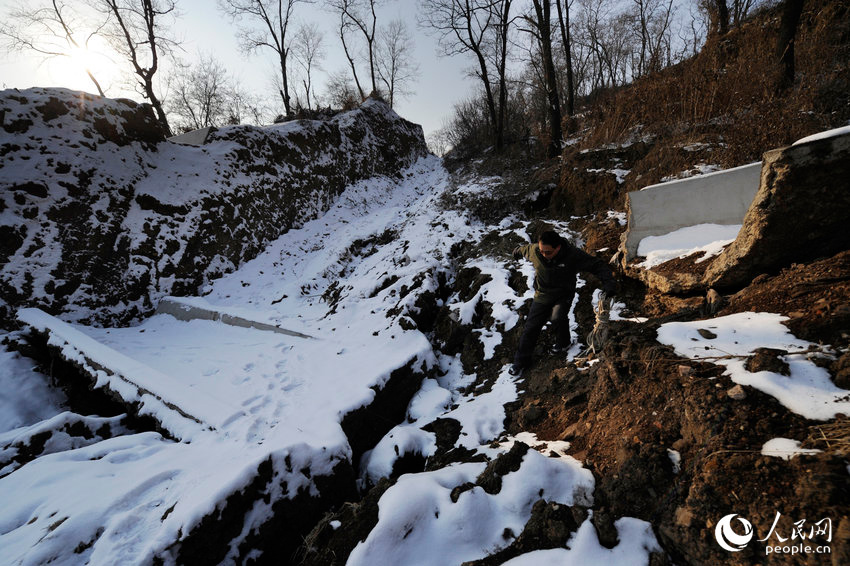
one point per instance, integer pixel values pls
(195, 308)
(707, 238)
(824, 135)
(722, 197)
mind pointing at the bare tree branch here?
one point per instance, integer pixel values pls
(52, 31)
(274, 18)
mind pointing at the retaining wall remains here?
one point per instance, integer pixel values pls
(715, 198)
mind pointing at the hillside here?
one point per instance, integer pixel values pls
(291, 345)
(101, 216)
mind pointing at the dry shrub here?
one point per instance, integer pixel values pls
(729, 93)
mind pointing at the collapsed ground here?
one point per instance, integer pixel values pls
(640, 403)
(658, 439)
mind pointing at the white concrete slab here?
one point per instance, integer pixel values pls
(715, 198)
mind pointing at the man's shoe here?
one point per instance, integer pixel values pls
(560, 350)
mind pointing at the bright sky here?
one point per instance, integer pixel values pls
(442, 81)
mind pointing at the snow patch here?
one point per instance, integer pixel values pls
(808, 391)
(710, 239)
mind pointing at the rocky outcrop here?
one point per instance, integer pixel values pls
(799, 213)
(108, 217)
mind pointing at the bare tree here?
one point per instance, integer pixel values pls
(360, 15)
(272, 19)
(740, 10)
(542, 28)
(397, 67)
(201, 94)
(692, 32)
(52, 30)
(136, 31)
(791, 12)
(718, 11)
(341, 93)
(566, 42)
(246, 108)
(475, 27)
(652, 28)
(308, 50)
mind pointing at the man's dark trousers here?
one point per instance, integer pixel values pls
(538, 315)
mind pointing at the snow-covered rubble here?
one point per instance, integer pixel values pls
(729, 340)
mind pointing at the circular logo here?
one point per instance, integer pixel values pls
(728, 538)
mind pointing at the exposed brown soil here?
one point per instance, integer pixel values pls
(640, 400)
(815, 296)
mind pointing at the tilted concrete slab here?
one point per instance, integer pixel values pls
(181, 410)
(798, 212)
(722, 197)
(195, 309)
(195, 137)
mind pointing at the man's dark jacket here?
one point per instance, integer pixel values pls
(555, 279)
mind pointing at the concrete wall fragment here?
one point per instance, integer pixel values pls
(715, 198)
(195, 137)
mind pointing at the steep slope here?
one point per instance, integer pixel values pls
(100, 216)
(399, 434)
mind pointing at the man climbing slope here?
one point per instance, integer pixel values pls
(556, 266)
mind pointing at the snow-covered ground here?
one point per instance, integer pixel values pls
(729, 340)
(348, 279)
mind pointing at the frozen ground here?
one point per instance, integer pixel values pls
(232, 397)
(350, 279)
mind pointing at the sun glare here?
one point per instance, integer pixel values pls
(71, 71)
(82, 58)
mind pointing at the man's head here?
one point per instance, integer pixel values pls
(549, 244)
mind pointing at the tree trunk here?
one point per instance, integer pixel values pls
(543, 10)
(721, 26)
(484, 76)
(488, 91)
(503, 87)
(564, 20)
(348, 57)
(157, 106)
(791, 12)
(284, 93)
(96, 84)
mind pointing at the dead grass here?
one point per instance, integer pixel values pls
(833, 438)
(728, 92)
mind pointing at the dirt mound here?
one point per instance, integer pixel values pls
(815, 296)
